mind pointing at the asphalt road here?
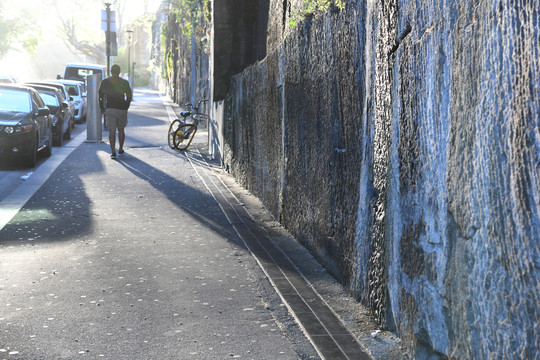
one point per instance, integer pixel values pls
(131, 259)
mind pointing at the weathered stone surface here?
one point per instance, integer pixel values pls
(240, 39)
(399, 141)
(465, 98)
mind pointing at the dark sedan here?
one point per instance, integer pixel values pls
(64, 92)
(61, 116)
(25, 124)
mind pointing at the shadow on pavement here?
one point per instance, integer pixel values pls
(198, 203)
(64, 209)
(60, 209)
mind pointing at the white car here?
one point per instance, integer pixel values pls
(81, 71)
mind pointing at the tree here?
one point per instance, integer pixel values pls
(92, 49)
(16, 31)
(91, 44)
(7, 34)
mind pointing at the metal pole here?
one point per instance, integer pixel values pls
(108, 38)
(130, 74)
(133, 69)
(93, 116)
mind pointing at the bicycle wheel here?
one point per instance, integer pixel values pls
(172, 130)
(184, 135)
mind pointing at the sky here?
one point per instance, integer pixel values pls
(52, 53)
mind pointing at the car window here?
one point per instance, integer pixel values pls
(48, 98)
(75, 73)
(72, 90)
(60, 88)
(63, 92)
(35, 105)
(39, 101)
(14, 100)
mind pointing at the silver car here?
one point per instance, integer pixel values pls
(76, 91)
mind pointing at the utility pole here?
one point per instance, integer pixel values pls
(133, 70)
(108, 38)
(130, 74)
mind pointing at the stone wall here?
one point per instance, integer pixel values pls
(239, 39)
(399, 141)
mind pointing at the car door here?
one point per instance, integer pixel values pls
(64, 111)
(70, 101)
(41, 118)
(84, 99)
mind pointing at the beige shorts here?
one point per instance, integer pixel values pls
(116, 118)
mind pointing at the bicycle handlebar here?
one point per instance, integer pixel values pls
(199, 104)
(196, 108)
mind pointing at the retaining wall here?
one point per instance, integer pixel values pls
(399, 142)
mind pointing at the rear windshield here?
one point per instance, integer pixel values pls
(73, 90)
(77, 73)
(48, 98)
(16, 101)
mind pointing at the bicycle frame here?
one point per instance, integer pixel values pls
(181, 133)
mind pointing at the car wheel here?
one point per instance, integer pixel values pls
(67, 134)
(48, 149)
(59, 141)
(31, 160)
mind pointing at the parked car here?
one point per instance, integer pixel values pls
(64, 92)
(61, 116)
(25, 124)
(82, 71)
(75, 89)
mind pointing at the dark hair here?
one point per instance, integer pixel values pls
(115, 69)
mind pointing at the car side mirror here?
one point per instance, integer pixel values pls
(71, 98)
(43, 111)
(65, 104)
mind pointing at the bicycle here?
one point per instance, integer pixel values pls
(181, 132)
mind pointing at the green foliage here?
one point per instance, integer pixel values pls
(30, 44)
(163, 37)
(312, 6)
(7, 35)
(17, 32)
(192, 15)
(169, 64)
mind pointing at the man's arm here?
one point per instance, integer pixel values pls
(101, 97)
(129, 95)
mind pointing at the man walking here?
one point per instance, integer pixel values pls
(114, 99)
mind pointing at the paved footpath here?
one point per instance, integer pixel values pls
(160, 255)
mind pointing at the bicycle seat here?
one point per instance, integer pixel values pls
(185, 113)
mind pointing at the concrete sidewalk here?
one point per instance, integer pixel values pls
(161, 255)
(263, 228)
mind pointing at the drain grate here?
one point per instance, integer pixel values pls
(145, 147)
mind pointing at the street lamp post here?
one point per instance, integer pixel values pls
(108, 38)
(133, 70)
(130, 74)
